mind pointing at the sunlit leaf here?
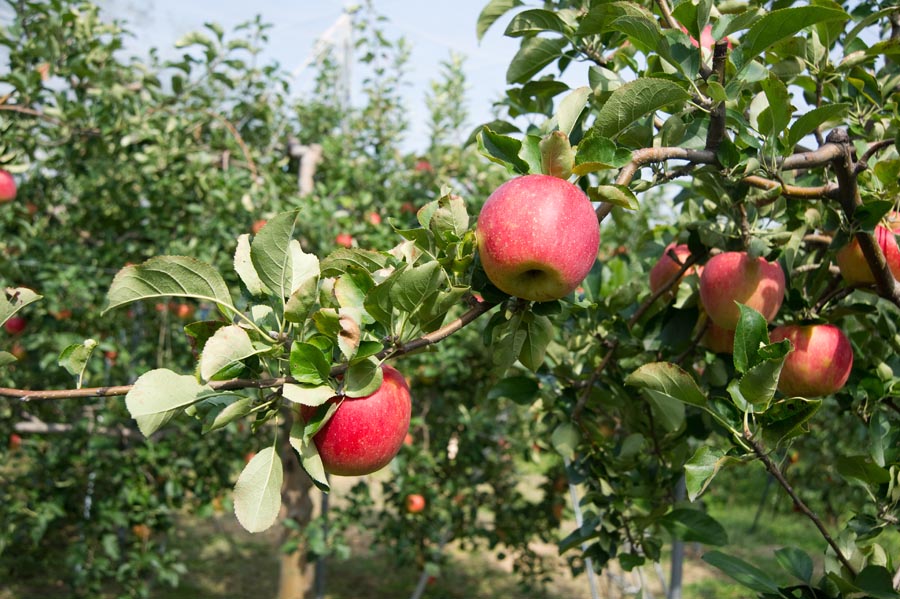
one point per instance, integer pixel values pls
(257, 493)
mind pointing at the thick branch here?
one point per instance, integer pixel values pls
(716, 131)
(234, 384)
(646, 156)
(775, 471)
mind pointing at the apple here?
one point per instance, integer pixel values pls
(732, 277)
(15, 442)
(408, 440)
(374, 218)
(141, 531)
(537, 237)
(344, 239)
(64, 314)
(184, 311)
(408, 208)
(249, 456)
(18, 351)
(15, 325)
(666, 268)
(7, 187)
(365, 433)
(423, 166)
(820, 362)
(111, 356)
(718, 340)
(852, 262)
(257, 225)
(415, 503)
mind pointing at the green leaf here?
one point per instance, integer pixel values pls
(694, 526)
(748, 575)
(780, 108)
(534, 21)
(490, 13)
(570, 109)
(363, 378)
(668, 380)
(617, 195)
(302, 301)
(557, 155)
(74, 358)
(634, 100)
(257, 494)
(693, 15)
(702, 468)
(757, 386)
(751, 333)
(863, 469)
(158, 394)
(778, 25)
(414, 284)
(343, 259)
(243, 266)
(787, 418)
(644, 32)
(667, 411)
(530, 152)
(565, 439)
(237, 409)
(224, 352)
(539, 333)
(169, 276)
(521, 390)
(534, 54)
(450, 220)
(807, 123)
(797, 562)
(309, 456)
(503, 150)
(309, 365)
(16, 298)
(308, 395)
(6, 358)
(596, 153)
(280, 262)
(877, 582)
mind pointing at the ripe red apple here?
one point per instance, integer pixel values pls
(852, 262)
(718, 340)
(537, 237)
(666, 268)
(7, 187)
(423, 166)
(374, 218)
(344, 239)
(15, 442)
(732, 277)
(415, 503)
(15, 325)
(365, 433)
(820, 362)
(257, 225)
(184, 311)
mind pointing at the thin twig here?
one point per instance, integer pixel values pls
(237, 137)
(775, 471)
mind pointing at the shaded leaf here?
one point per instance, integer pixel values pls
(669, 380)
(748, 575)
(257, 493)
(778, 25)
(694, 526)
(534, 54)
(158, 394)
(634, 100)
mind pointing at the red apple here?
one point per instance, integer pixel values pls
(732, 277)
(852, 262)
(15, 325)
(344, 239)
(15, 442)
(18, 351)
(415, 503)
(111, 356)
(184, 311)
(374, 218)
(257, 225)
(718, 340)
(249, 456)
(408, 208)
(667, 268)
(537, 237)
(408, 440)
(423, 166)
(820, 362)
(7, 187)
(365, 433)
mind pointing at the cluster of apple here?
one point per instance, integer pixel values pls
(822, 356)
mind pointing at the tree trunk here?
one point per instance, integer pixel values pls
(295, 580)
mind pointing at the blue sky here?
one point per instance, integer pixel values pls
(433, 29)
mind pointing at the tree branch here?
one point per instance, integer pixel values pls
(775, 471)
(234, 384)
(716, 132)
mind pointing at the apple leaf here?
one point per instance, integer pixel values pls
(778, 25)
(557, 156)
(702, 467)
(450, 220)
(309, 365)
(6, 358)
(521, 390)
(748, 575)
(780, 108)
(785, 419)
(750, 334)
(617, 195)
(243, 266)
(16, 299)
(74, 358)
(565, 439)
(224, 352)
(692, 525)
(169, 276)
(308, 395)
(796, 561)
(534, 54)
(634, 100)
(493, 11)
(503, 150)
(280, 262)
(596, 153)
(237, 408)
(310, 459)
(693, 15)
(257, 493)
(158, 394)
(862, 469)
(756, 388)
(570, 109)
(343, 259)
(534, 21)
(539, 333)
(414, 284)
(302, 301)
(363, 378)
(668, 380)
(807, 123)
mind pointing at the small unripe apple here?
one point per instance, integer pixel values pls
(15, 325)
(820, 362)
(365, 433)
(537, 237)
(415, 503)
(732, 277)
(7, 187)
(344, 239)
(257, 226)
(666, 268)
(852, 263)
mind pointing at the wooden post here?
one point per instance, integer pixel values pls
(295, 580)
